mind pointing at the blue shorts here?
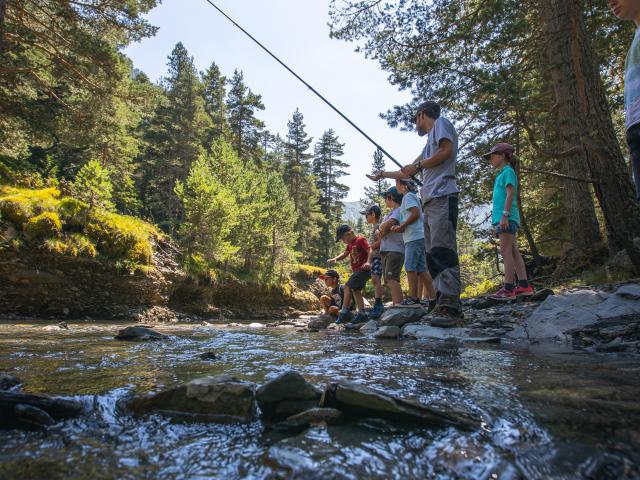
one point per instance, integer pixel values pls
(513, 228)
(415, 256)
(376, 266)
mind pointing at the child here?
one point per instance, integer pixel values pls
(332, 303)
(630, 10)
(358, 252)
(373, 214)
(415, 256)
(506, 220)
(392, 245)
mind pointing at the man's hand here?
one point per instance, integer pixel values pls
(331, 261)
(397, 228)
(366, 266)
(375, 177)
(504, 224)
(409, 169)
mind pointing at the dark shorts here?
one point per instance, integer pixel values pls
(513, 228)
(392, 265)
(358, 280)
(633, 140)
(376, 266)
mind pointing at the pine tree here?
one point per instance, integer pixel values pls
(301, 185)
(174, 138)
(93, 186)
(242, 105)
(375, 194)
(214, 93)
(328, 168)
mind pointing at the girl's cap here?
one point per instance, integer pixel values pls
(505, 148)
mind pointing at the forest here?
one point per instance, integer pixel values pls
(190, 154)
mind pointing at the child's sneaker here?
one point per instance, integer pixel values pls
(527, 291)
(504, 294)
(409, 303)
(343, 317)
(428, 304)
(376, 311)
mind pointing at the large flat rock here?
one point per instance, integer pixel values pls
(400, 316)
(420, 331)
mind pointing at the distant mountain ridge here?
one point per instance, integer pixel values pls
(352, 211)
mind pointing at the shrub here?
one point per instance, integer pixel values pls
(75, 245)
(122, 237)
(20, 204)
(93, 186)
(73, 211)
(45, 225)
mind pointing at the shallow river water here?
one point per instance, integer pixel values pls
(547, 412)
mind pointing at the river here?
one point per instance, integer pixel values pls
(548, 412)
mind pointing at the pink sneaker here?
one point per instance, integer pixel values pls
(524, 291)
(504, 294)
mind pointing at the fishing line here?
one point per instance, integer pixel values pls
(335, 109)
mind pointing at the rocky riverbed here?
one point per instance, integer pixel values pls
(530, 409)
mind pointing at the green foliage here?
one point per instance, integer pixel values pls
(93, 186)
(19, 204)
(242, 105)
(74, 245)
(121, 236)
(73, 211)
(375, 194)
(41, 226)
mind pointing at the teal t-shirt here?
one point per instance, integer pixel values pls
(632, 83)
(506, 176)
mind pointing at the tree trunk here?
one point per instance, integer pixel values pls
(584, 112)
(3, 9)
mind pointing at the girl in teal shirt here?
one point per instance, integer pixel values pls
(506, 220)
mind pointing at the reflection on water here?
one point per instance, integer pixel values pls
(546, 414)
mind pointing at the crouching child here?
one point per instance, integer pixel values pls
(332, 303)
(357, 249)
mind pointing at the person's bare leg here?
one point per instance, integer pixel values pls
(346, 303)
(333, 310)
(325, 302)
(518, 261)
(357, 294)
(377, 285)
(412, 279)
(427, 283)
(396, 291)
(506, 250)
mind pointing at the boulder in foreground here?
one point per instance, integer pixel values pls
(21, 410)
(287, 394)
(218, 399)
(139, 334)
(358, 400)
(399, 316)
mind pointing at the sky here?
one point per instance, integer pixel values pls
(297, 32)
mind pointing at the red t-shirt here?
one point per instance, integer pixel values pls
(358, 251)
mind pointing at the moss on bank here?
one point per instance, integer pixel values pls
(42, 218)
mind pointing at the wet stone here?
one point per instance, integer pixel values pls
(8, 382)
(398, 317)
(311, 417)
(388, 332)
(287, 394)
(139, 334)
(21, 410)
(321, 322)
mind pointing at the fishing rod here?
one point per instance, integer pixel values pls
(318, 94)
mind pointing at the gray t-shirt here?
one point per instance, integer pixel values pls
(372, 239)
(441, 180)
(414, 231)
(392, 242)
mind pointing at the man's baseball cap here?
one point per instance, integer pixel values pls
(395, 194)
(505, 148)
(341, 230)
(375, 209)
(330, 274)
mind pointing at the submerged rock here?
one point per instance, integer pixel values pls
(8, 382)
(435, 333)
(139, 334)
(308, 418)
(388, 332)
(219, 399)
(360, 401)
(398, 316)
(21, 410)
(321, 322)
(208, 356)
(286, 395)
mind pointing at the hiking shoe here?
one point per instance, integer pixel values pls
(524, 291)
(503, 294)
(429, 304)
(446, 317)
(343, 317)
(376, 311)
(360, 317)
(409, 303)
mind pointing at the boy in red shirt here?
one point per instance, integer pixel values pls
(358, 252)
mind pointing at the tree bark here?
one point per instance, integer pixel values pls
(584, 114)
(3, 9)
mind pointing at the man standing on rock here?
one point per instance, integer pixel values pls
(439, 192)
